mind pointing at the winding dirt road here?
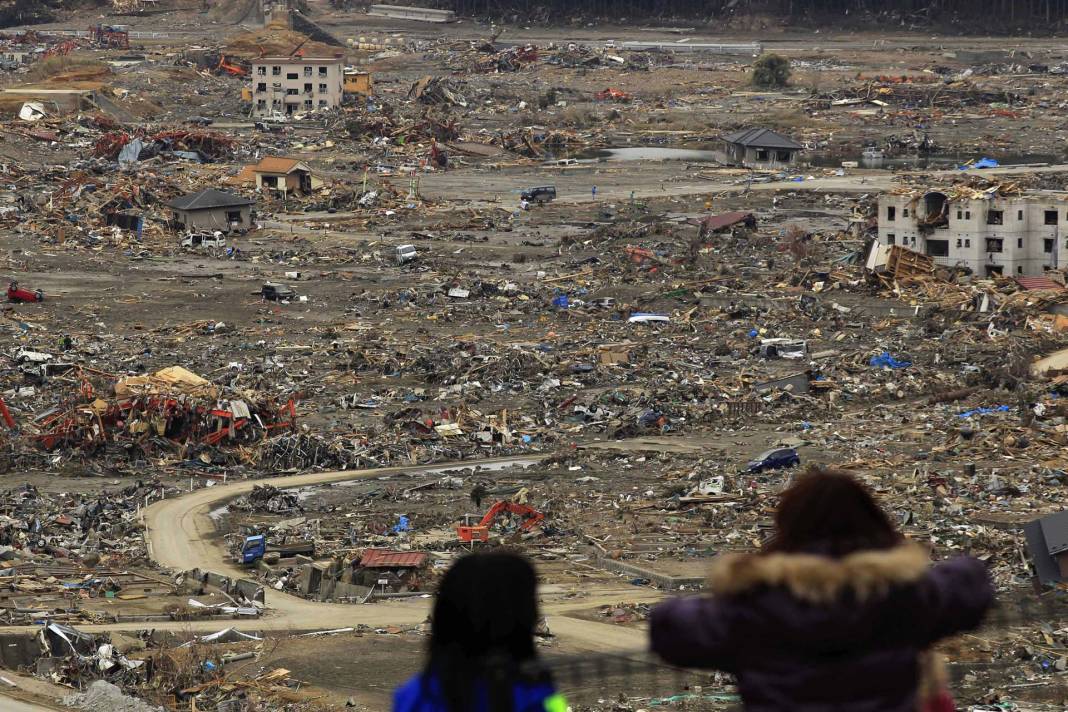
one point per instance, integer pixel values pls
(181, 535)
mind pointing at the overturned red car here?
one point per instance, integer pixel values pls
(17, 294)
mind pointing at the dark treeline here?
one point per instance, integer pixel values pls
(997, 14)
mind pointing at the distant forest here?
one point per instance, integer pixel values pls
(993, 15)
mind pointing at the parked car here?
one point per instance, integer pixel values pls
(276, 292)
(15, 293)
(204, 239)
(777, 459)
(541, 195)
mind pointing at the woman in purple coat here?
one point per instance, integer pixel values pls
(834, 614)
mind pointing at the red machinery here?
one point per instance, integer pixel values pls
(111, 37)
(61, 49)
(17, 294)
(480, 532)
(613, 94)
(230, 67)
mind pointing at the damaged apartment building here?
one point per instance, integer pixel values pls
(993, 232)
(289, 85)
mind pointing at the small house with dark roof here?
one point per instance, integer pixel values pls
(761, 148)
(211, 210)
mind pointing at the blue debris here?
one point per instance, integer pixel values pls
(402, 525)
(984, 411)
(983, 162)
(885, 360)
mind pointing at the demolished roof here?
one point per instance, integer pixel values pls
(712, 223)
(389, 559)
(207, 200)
(762, 138)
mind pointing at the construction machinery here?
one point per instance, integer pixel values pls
(110, 36)
(480, 532)
(230, 68)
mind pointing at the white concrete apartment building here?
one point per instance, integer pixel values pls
(293, 85)
(1023, 234)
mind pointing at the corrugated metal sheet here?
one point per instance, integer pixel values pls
(389, 559)
(1030, 283)
(718, 222)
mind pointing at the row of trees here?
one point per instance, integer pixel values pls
(995, 12)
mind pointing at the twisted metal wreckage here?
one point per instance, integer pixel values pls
(170, 410)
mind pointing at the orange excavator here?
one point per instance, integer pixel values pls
(480, 532)
(231, 68)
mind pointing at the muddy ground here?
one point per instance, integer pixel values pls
(137, 308)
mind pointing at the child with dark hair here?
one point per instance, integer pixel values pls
(482, 656)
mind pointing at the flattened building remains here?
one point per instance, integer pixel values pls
(992, 232)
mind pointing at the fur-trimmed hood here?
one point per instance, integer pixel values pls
(820, 579)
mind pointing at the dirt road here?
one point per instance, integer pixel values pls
(180, 535)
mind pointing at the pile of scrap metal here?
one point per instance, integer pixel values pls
(171, 410)
(73, 658)
(535, 142)
(510, 60)
(198, 145)
(437, 90)
(267, 499)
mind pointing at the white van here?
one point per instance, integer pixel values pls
(204, 239)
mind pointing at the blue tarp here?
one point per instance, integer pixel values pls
(885, 360)
(984, 411)
(983, 162)
(402, 525)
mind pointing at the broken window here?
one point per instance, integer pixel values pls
(1019, 215)
(995, 217)
(959, 214)
(1019, 243)
(993, 244)
(276, 71)
(967, 242)
(323, 89)
(891, 212)
(992, 270)
(322, 102)
(322, 71)
(291, 92)
(261, 87)
(967, 214)
(762, 155)
(261, 71)
(1051, 217)
(891, 239)
(938, 248)
(905, 213)
(958, 242)
(292, 76)
(233, 216)
(307, 103)
(1047, 246)
(1019, 269)
(783, 156)
(307, 71)
(261, 104)
(307, 87)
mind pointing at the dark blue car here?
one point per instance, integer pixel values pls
(774, 460)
